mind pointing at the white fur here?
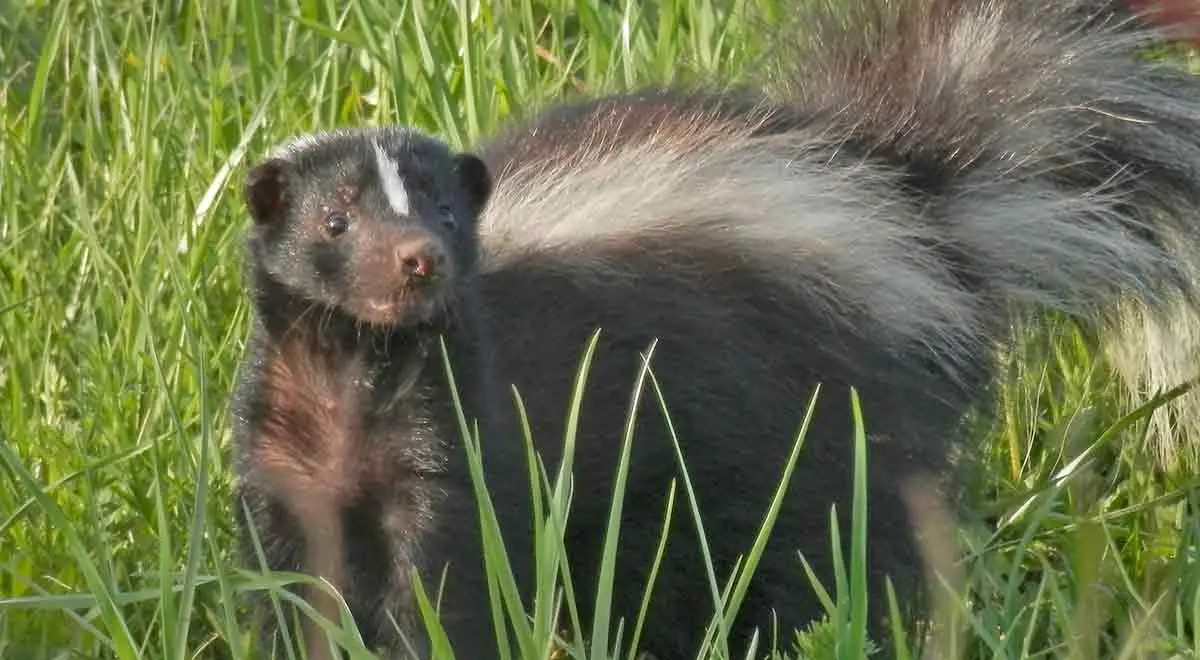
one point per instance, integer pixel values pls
(1066, 147)
(393, 184)
(834, 236)
(300, 143)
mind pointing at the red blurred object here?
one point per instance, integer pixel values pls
(1180, 19)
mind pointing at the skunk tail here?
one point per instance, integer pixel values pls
(921, 171)
(1065, 166)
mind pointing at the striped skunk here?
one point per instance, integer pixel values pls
(918, 174)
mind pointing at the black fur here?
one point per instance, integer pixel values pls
(384, 379)
(874, 219)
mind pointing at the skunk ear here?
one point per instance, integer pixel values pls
(475, 178)
(265, 190)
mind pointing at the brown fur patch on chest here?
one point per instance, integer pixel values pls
(308, 452)
(309, 440)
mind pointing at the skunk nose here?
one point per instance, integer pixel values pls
(419, 259)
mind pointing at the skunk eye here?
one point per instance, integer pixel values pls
(336, 225)
(447, 218)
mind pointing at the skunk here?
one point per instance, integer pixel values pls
(915, 175)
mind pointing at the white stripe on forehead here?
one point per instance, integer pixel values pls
(393, 184)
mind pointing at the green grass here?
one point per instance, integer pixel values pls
(124, 131)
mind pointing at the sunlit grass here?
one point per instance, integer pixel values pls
(124, 131)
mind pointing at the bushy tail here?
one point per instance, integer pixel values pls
(1060, 164)
(918, 169)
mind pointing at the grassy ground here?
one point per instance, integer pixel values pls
(124, 129)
